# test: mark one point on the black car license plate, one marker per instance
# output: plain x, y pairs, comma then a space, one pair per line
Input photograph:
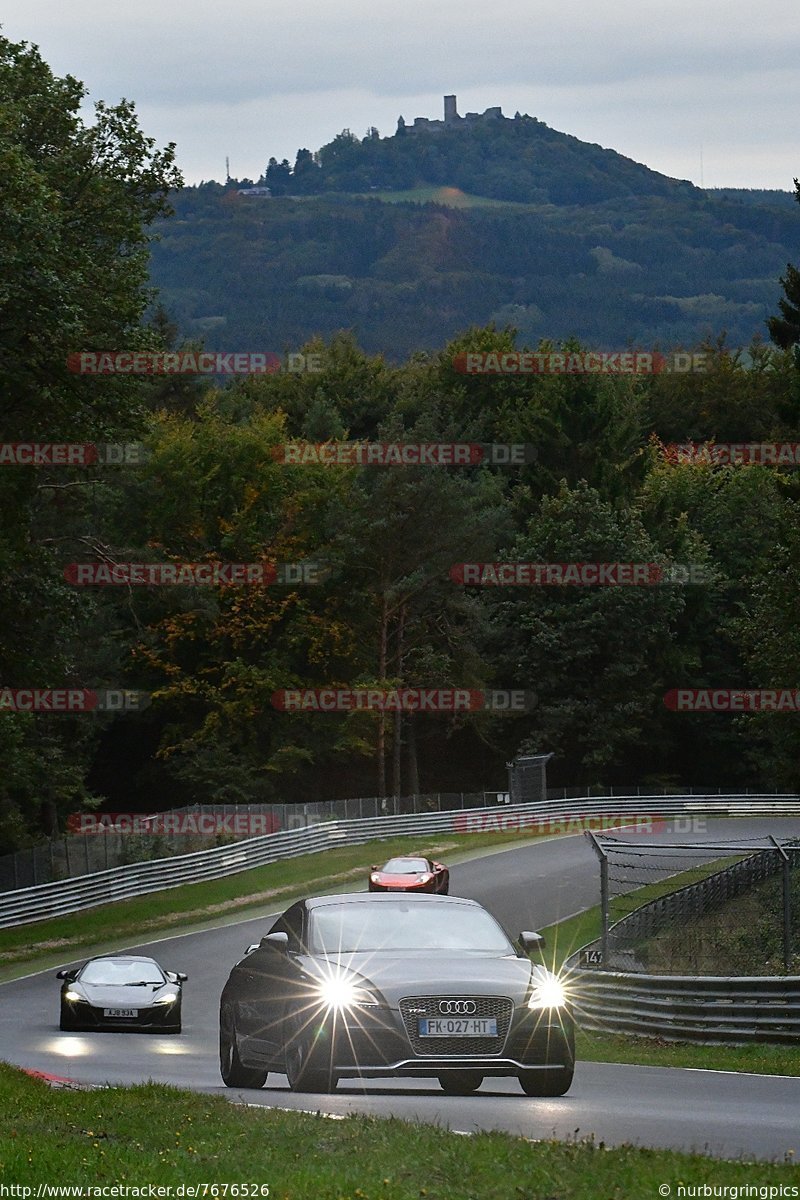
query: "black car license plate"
458, 1027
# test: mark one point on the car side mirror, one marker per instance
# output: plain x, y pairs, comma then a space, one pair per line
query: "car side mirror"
530, 941
374, 867
276, 941
176, 976
66, 974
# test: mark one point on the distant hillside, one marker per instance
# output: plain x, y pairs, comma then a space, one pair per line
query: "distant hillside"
409, 240
518, 159
753, 196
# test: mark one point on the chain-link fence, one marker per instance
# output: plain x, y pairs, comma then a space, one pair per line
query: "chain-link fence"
698, 908
114, 840
103, 840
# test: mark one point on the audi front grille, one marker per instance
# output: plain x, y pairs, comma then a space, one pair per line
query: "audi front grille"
412, 1008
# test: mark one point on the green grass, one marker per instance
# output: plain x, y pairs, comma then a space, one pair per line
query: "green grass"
761, 1059
452, 197
198, 905
744, 936
565, 937
158, 1135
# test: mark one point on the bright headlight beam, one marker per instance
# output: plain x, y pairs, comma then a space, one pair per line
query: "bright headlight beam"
337, 992
547, 993
71, 995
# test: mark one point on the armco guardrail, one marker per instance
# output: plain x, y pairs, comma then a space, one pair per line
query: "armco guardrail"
685, 1008
122, 883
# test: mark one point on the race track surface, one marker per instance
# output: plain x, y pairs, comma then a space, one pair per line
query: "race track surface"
757, 1117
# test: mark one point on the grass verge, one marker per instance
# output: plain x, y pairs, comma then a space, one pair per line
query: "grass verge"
157, 1135
565, 937
261, 889
761, 1059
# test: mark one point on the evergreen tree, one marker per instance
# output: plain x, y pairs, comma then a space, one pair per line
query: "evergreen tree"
785, 329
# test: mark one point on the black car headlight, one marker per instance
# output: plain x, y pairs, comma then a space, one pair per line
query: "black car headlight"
339, 992
167, 998
75, 997
547, 991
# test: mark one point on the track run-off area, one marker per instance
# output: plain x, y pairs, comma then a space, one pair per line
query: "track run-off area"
528, 887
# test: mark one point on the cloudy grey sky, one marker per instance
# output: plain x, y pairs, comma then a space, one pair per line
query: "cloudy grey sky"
671, 83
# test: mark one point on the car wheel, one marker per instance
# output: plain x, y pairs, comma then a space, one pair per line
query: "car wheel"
233, 1073
546, 1083
302, 1075
446, 886
460, 1083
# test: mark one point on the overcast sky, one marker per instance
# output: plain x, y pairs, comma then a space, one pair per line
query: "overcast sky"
681, 85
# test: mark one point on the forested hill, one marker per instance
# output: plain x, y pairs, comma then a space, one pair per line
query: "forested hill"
410, 239
521, 160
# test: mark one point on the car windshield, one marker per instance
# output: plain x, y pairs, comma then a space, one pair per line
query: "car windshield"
111, 971
347, 928
406, 866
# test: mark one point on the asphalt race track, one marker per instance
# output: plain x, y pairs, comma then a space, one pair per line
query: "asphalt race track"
754, 1116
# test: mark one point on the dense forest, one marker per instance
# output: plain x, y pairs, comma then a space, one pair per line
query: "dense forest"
386, 612
242, 272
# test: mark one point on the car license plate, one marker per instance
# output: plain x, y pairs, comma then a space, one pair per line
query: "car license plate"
458, 1027
120, 1012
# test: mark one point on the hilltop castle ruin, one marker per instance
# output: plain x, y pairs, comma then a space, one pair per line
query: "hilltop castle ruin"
451, 119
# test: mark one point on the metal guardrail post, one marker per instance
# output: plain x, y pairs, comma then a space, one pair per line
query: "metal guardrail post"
601, 854
787, 904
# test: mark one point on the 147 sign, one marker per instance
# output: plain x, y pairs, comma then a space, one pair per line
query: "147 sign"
591, 958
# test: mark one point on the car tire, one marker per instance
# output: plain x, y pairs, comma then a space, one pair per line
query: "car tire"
233, 1072
546, 1083
302, 1075
460, 1083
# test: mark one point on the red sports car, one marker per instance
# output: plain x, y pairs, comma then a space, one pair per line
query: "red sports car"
410, 874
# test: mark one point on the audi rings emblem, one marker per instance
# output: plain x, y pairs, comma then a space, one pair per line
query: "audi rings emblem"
457, 1008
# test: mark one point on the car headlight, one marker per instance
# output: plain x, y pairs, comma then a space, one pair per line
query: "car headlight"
547, 992
72, 995
167, 998
339, 992
425, 878
375, 878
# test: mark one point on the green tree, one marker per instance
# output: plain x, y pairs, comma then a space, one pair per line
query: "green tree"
785, 329
77, 203
599, 658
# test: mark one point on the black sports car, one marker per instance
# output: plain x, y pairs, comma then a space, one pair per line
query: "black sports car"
371, 985
121, 991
